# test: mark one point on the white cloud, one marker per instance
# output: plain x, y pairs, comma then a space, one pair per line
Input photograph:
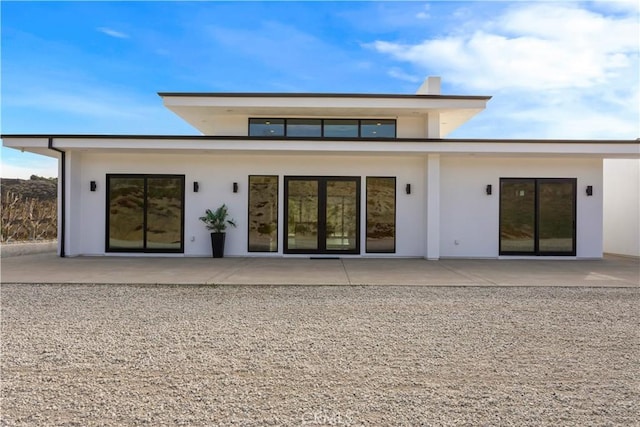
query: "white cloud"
113, 33
399, 74
565, 60
424, 13
548, 45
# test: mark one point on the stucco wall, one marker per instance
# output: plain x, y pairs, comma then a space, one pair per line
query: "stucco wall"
471, 218
466, 214
216, 174
622, 207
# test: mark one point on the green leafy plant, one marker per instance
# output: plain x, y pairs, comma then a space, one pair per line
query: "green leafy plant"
217, 220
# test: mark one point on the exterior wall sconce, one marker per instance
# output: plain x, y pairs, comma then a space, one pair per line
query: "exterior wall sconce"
407, 189
196, 186
489, 189
235, 187
589, 190
93, 186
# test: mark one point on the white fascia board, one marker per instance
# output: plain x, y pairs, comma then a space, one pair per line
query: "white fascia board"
28, 142
36, 145
323, 103
590, 149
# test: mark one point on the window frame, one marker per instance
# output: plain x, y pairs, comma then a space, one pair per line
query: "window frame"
277, 215
284, 127
536, 211
395, 215
144, 248
285, 134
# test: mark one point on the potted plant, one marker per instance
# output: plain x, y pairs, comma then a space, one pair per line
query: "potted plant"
217, 222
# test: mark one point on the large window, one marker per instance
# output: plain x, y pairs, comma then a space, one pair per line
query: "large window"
381, 214
537, 216
263, 213
323, 128
145, 213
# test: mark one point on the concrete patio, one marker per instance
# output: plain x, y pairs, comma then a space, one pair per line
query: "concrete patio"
612, 271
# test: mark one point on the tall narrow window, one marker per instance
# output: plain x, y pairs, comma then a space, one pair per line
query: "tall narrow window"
263, 213
145, 213
381, 214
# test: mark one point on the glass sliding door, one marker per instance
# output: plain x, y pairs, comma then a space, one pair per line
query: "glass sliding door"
537, 216
164, 213
556, 216
125, 216
263, 213
145, 213
302, 215
341, 221
322, 215
517, 216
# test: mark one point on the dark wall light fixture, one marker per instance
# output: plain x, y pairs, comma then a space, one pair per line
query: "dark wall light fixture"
196, 186
589, 190
489, 189
235, 187
93, 186
407, 189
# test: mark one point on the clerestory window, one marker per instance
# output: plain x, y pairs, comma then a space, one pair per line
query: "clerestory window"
322, 128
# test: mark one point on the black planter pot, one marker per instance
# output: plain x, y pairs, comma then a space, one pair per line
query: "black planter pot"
217, 244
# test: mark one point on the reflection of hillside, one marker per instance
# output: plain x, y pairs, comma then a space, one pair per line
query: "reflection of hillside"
381, 209
263, 213
163, 213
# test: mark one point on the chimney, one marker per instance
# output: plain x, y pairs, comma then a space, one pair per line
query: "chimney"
431, 86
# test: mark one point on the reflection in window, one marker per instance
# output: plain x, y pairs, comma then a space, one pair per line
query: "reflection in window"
381, 214
126, 213
164, 212
341, 128
311, 128
302, 214
266, 127
377, 128
263, 213
146, 213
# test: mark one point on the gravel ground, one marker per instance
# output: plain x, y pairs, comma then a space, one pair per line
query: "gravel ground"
84, 355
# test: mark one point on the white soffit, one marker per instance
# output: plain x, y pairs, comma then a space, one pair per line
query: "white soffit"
197, 110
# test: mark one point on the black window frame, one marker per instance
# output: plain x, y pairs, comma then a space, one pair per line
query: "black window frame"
284, 127
536, 234
322, 128
395, 215
321, 214
144, 249
277, 248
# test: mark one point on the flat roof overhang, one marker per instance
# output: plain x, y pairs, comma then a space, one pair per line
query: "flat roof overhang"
198, 108
629, 149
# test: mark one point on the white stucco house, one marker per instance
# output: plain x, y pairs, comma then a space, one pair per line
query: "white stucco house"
318, 174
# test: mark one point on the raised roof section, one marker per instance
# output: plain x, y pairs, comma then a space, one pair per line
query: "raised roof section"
220, 113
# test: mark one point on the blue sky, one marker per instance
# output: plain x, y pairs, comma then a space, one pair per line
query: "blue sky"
558, 69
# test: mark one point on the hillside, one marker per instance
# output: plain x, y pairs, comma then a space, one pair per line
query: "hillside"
38, 188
